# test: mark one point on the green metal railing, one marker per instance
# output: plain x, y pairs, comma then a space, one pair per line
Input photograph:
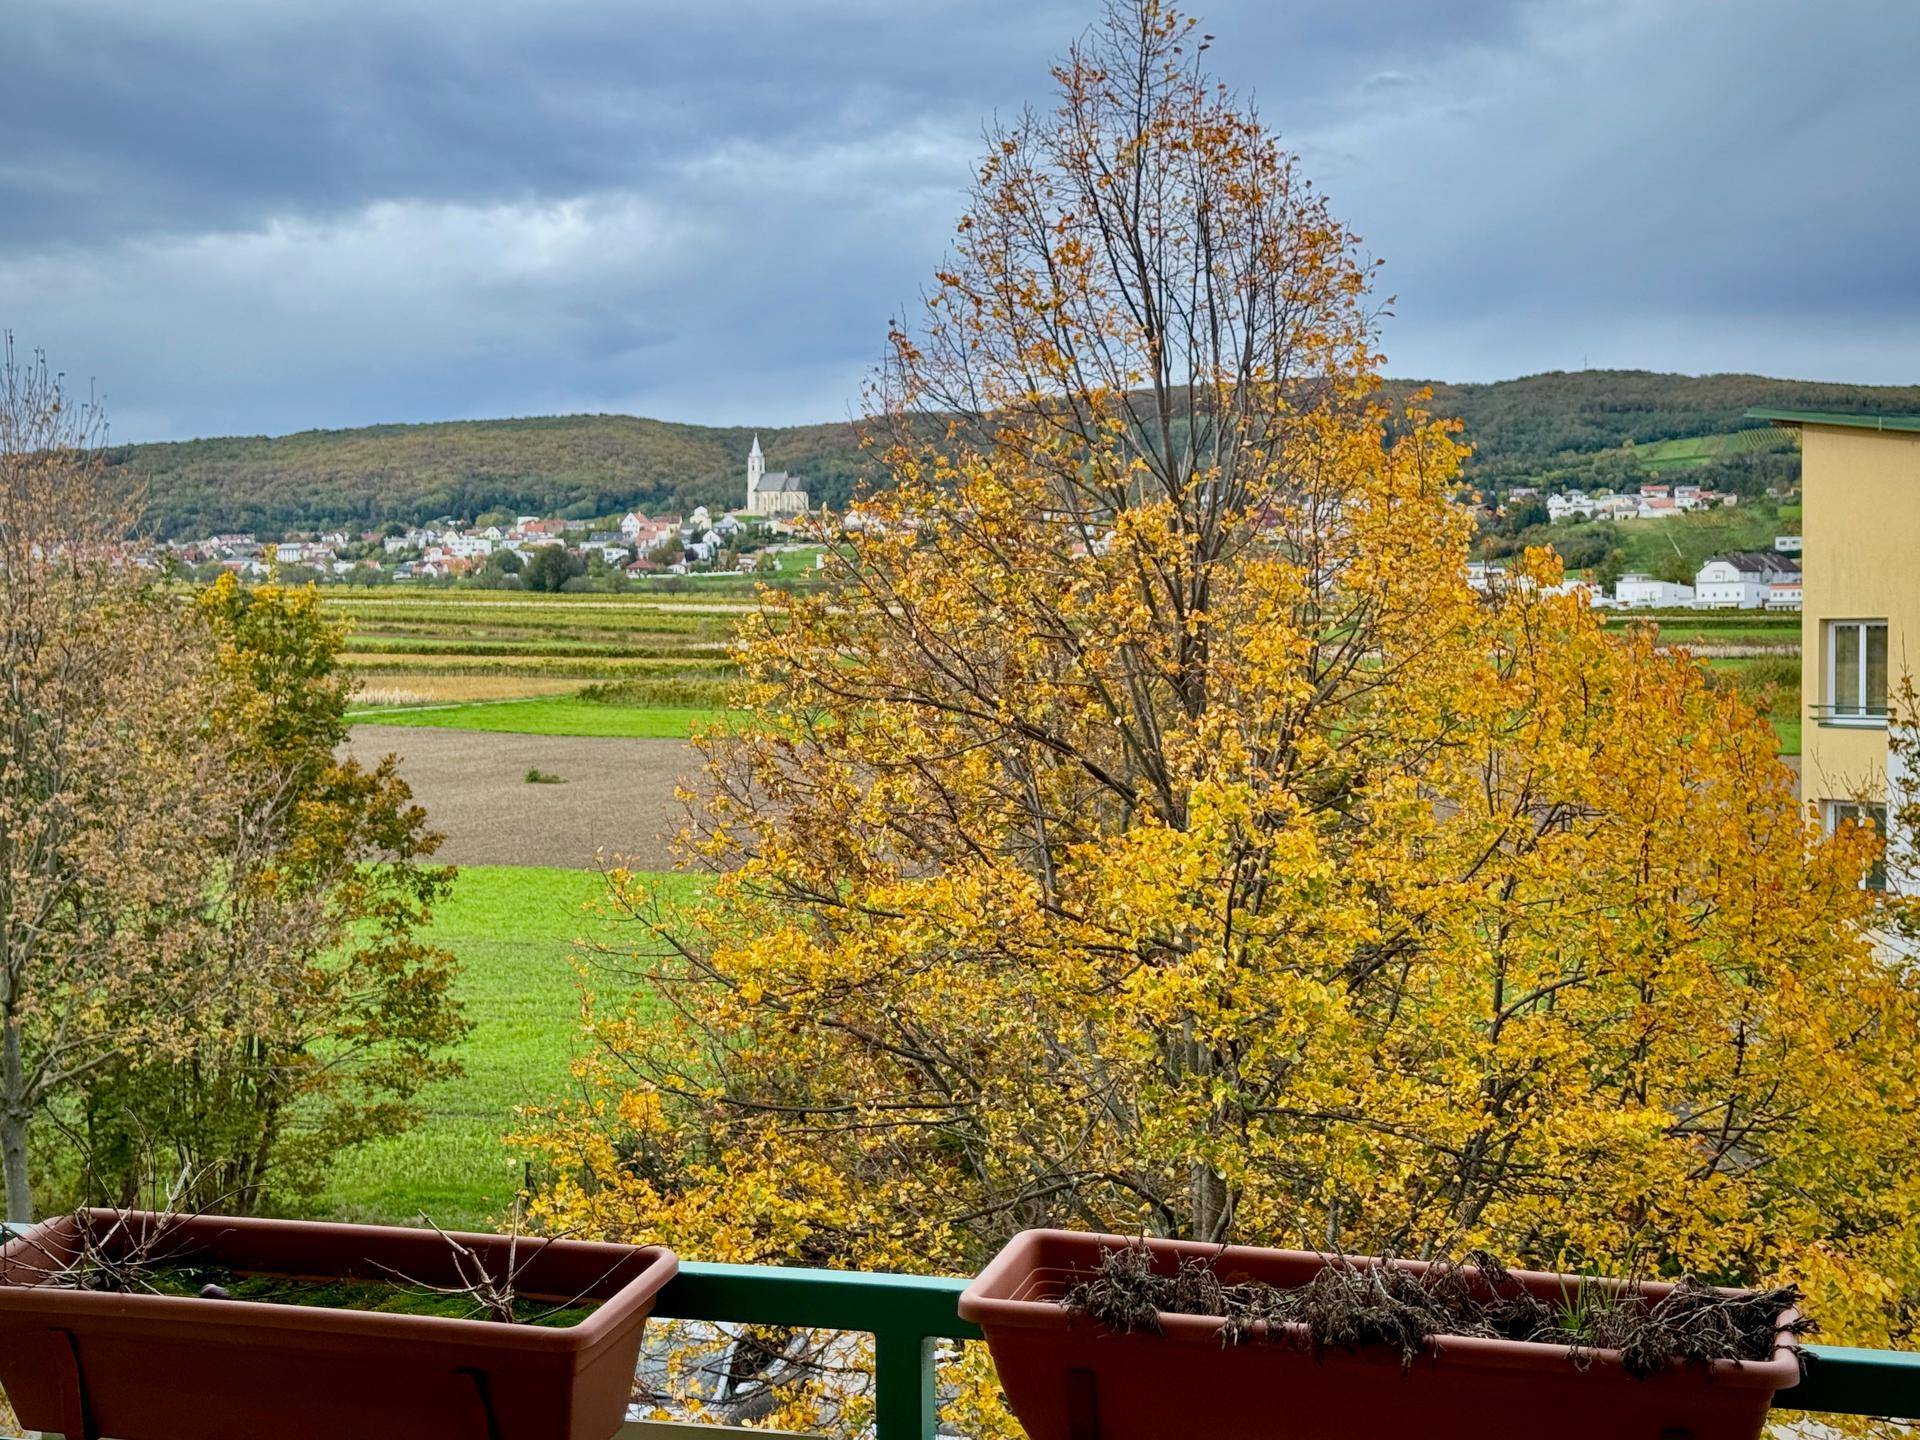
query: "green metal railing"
907, 1314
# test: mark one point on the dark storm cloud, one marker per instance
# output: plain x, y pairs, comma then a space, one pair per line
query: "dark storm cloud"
247, 216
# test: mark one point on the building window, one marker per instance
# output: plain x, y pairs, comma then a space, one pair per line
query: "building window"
1857, 670
1848, 812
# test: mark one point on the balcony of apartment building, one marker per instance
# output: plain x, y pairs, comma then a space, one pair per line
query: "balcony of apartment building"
910, 1320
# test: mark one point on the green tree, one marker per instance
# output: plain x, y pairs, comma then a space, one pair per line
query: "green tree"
342, 1014
550, 569
113, 795
1674, 567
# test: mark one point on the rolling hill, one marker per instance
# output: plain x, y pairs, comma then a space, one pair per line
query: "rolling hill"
1560, 428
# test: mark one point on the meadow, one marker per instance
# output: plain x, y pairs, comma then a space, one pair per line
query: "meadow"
1688, 540
546, 715
520, 933
1661, 456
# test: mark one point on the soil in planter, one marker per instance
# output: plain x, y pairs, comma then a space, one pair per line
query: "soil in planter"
386, 1297
1351, 1304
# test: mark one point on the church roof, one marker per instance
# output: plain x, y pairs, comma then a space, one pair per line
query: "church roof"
756, 446
781, 480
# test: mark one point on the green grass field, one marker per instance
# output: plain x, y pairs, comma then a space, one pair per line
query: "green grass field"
1661, 456
514, 931
547, 715
1696, 536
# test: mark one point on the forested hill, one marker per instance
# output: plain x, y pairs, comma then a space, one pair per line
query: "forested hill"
1558, 428
1525, 430
577, 466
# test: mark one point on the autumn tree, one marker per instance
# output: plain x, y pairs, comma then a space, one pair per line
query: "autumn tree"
340, 1012
209, 951
110, 782
1148, 829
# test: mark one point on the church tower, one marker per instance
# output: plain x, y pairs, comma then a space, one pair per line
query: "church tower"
756, 467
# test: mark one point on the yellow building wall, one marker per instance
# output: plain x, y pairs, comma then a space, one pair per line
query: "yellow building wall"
1861, 517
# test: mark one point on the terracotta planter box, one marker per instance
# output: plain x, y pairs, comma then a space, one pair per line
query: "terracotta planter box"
151, 1367
1069, 1379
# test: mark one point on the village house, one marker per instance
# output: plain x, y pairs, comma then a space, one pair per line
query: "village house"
1741, 580
1643, 592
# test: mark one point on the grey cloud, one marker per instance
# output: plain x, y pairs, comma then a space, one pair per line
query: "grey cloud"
248, 217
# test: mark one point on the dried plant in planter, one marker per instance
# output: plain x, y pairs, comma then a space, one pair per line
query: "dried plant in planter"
127, 1254
1350, 1305
494, 1292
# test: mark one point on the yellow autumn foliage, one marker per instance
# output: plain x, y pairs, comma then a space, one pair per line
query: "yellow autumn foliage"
1149, 829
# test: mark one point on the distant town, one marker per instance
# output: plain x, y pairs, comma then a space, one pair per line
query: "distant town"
1735, 580
769, 532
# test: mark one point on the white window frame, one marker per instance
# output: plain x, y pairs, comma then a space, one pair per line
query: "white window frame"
1830, 714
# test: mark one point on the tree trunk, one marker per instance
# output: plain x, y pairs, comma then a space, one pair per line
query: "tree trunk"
13, 1126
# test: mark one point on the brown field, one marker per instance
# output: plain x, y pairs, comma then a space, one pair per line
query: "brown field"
615, 807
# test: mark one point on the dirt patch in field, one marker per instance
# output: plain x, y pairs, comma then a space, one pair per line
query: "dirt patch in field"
616, 804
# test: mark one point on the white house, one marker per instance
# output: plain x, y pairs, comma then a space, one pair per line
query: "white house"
1567, 504
1785, 593
1643, 592
1742, 580
1788, 544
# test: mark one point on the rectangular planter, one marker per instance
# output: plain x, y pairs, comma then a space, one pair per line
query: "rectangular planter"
1067, 1378
152, 1367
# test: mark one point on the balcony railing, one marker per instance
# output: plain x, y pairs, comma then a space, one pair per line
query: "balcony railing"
907, 1314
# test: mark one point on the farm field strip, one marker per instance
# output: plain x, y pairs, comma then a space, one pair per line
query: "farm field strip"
509, 665
550, 715
381, 691
558, 649
545, 618
531, 665
470, 601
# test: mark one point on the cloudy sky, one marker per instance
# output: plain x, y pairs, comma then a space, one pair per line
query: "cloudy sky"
245, 216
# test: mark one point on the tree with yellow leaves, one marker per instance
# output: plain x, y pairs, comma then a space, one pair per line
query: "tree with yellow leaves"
1149, 829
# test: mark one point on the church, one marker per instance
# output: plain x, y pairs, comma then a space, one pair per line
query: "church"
777, 494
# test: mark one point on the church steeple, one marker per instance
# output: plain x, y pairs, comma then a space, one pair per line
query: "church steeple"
756, 467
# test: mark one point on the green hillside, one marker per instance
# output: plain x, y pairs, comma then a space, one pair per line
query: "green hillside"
1523, 427
572, 465
1556, 429
1663, 456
